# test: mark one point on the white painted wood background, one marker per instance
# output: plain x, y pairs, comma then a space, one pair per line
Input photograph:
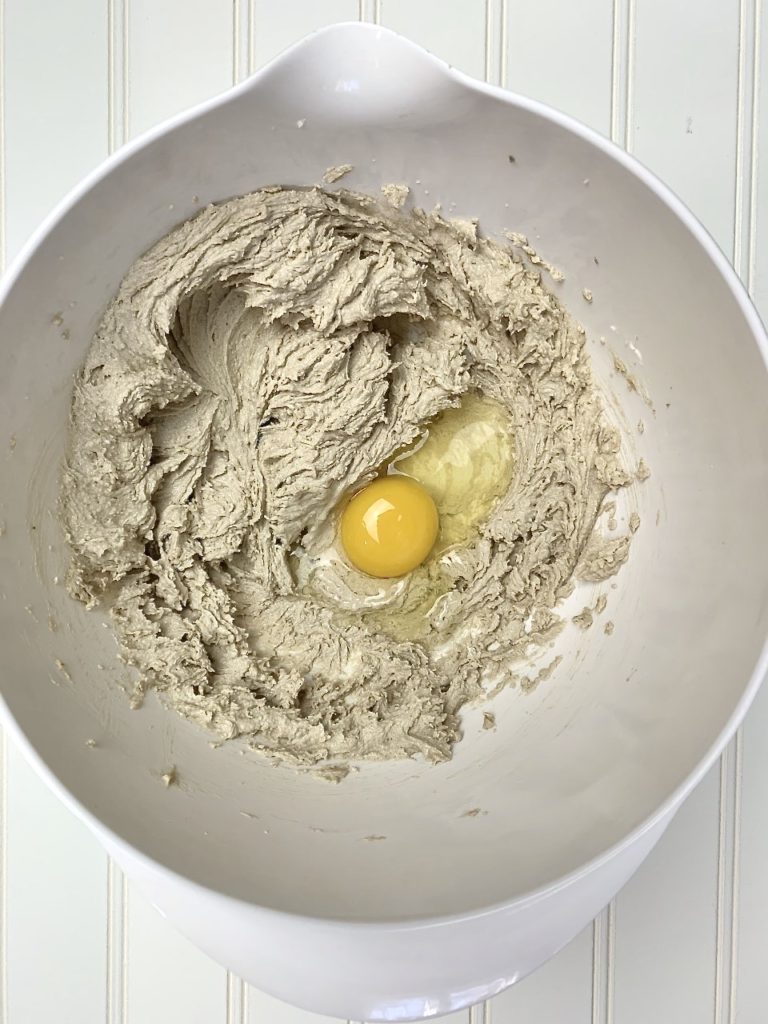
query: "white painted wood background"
677, 83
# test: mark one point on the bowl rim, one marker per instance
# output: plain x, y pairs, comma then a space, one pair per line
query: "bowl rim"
711, 248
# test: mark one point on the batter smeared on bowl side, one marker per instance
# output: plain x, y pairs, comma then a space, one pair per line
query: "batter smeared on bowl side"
259, 366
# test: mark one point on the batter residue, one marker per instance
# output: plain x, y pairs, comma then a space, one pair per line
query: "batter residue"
257, 366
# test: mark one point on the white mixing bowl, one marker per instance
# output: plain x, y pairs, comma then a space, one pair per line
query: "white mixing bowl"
273, 872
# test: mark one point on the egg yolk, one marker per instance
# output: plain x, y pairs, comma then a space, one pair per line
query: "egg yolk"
389, 527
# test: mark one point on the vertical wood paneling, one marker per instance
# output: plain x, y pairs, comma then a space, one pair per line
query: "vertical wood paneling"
54, 912
55, 68
178, 54
452, 29
759, 247
622, 70
561, 53
675, 919
728, 844
56, 907
603, 970
117, 945
665, 920
273, 33
684, 97
169, 981
560, 992
496, 41
751, 993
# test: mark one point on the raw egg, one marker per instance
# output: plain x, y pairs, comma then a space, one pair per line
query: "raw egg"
389, 527
465, 462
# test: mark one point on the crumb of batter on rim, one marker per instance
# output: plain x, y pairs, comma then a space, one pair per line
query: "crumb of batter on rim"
170, 777
489, 720
632, 382
63, 669
334, 173
521, 242
634, 523
332, 772
602, 558
584, 619
529, 685
608, 628
642, 472
395, 195
587, 294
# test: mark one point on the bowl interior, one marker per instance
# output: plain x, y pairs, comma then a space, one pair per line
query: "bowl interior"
573, 766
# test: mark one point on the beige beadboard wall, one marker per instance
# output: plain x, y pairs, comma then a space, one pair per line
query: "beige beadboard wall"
674, 81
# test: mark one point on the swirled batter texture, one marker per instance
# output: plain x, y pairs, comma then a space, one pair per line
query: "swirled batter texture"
257, 365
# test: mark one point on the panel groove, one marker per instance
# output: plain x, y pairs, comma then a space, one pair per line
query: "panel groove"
629, 75
496, 42
115, 92
488, 41
116, 946
726, 882
117, 73
735, 878
755, 135
622, 21
237, 1000
603, 946
729, 831
251, 61
242, 40
504, 19
746, 136
738, 178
